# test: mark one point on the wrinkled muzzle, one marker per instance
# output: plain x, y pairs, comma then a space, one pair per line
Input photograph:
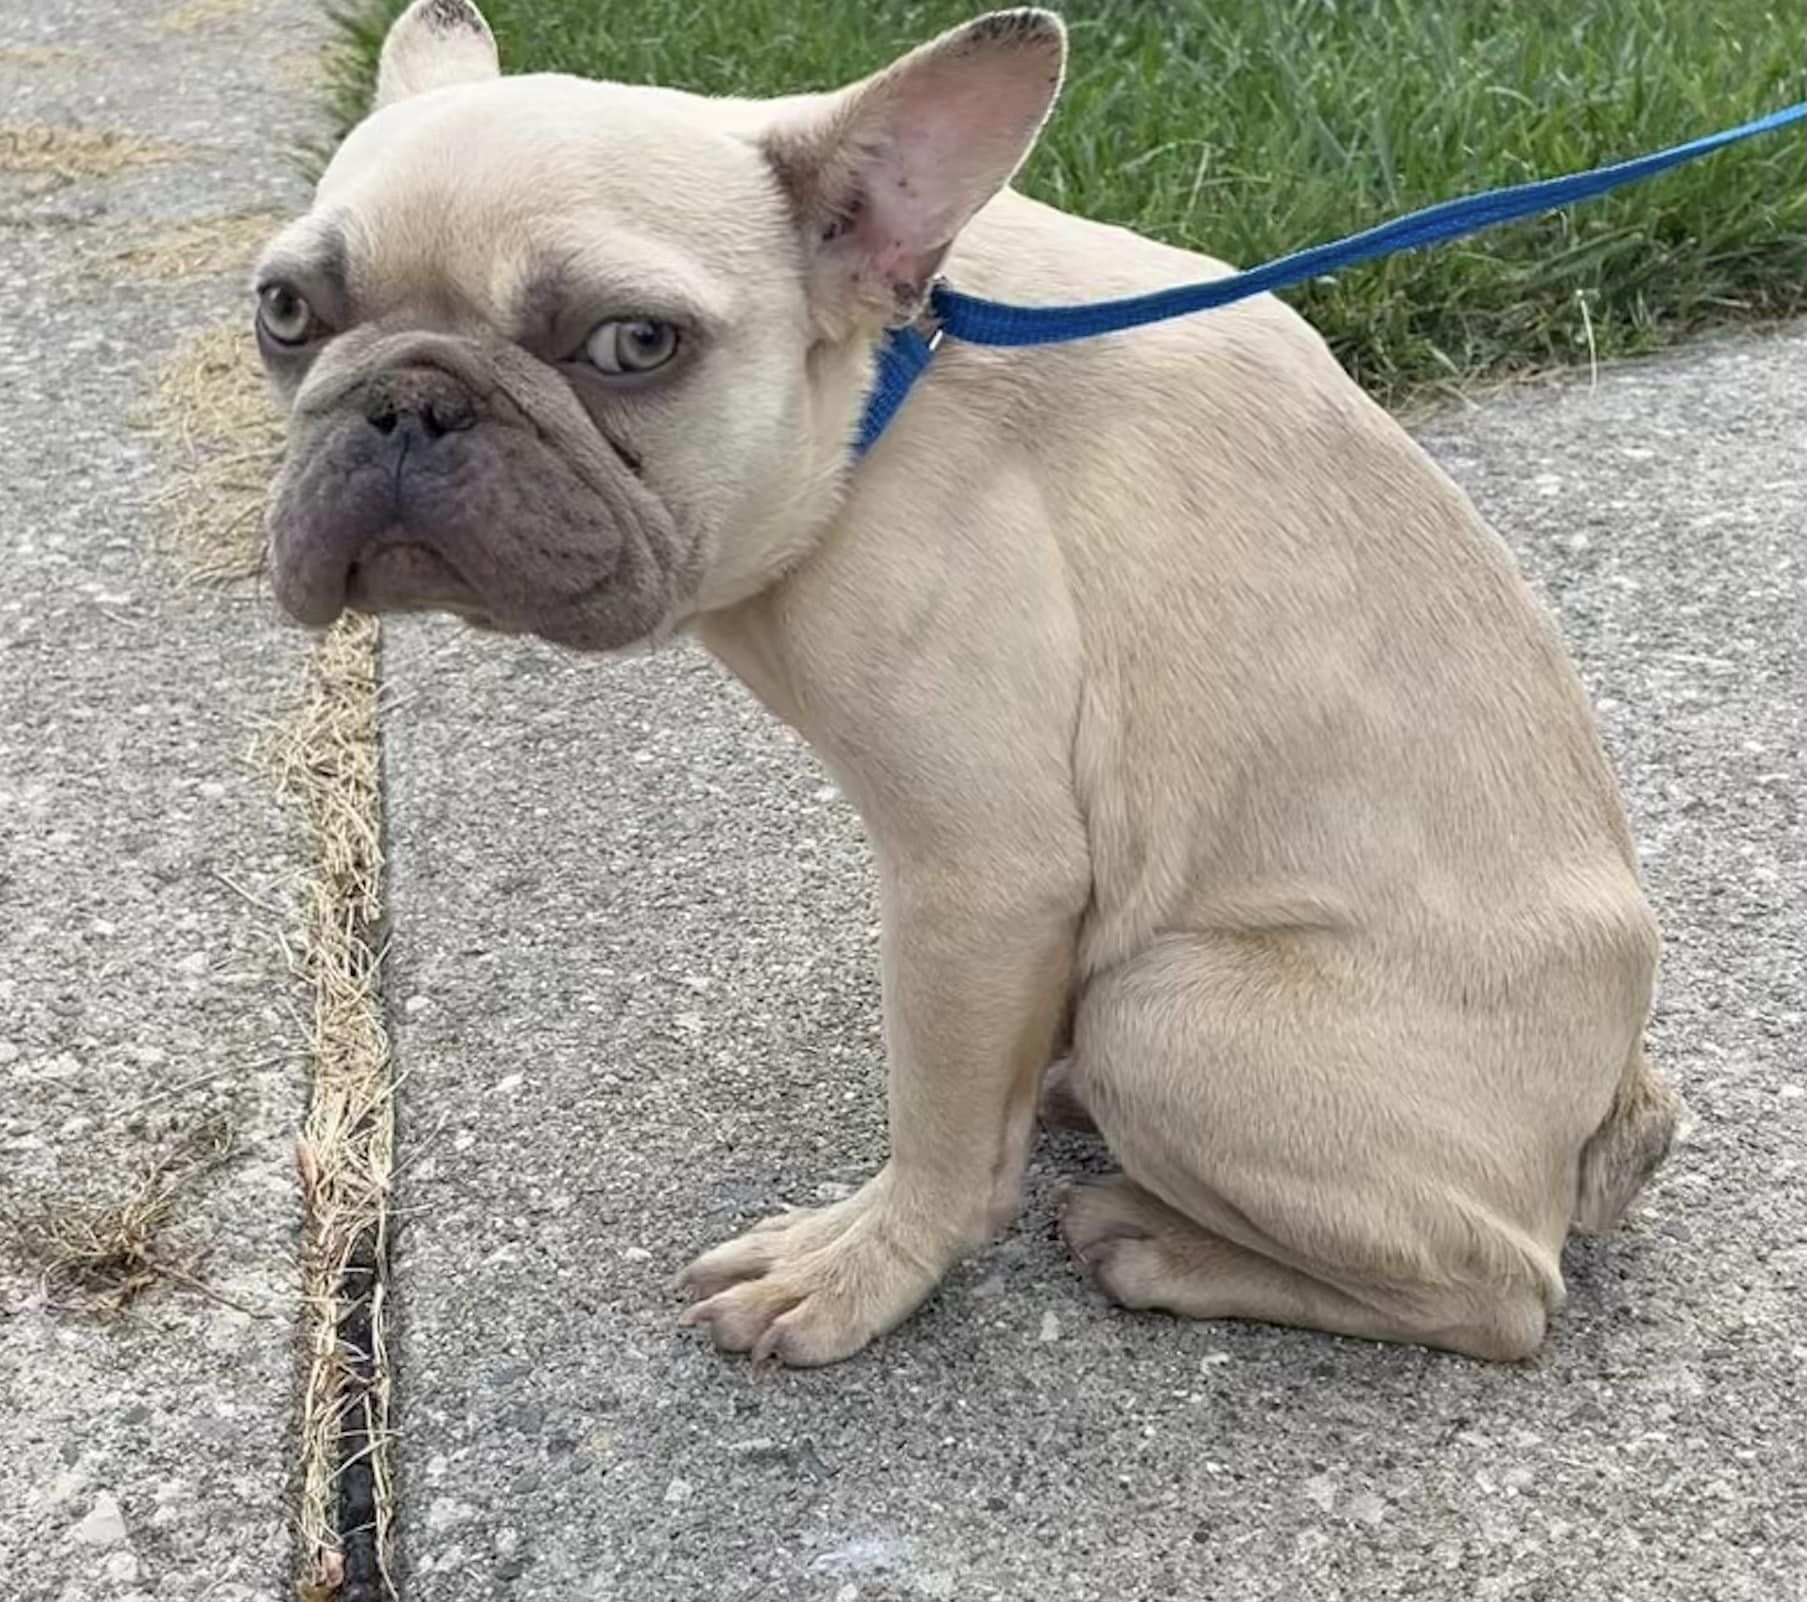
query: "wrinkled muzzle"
431, 473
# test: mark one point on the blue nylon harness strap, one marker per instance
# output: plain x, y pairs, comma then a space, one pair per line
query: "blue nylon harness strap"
904, 356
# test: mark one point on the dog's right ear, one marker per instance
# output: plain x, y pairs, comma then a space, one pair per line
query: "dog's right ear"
434, 44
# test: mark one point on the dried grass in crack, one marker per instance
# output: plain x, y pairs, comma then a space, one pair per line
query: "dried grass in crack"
200, 16
324, 757
193, 248
72, 152
212, 416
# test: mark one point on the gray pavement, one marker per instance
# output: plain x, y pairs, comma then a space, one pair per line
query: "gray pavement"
149, 1459
635, 1005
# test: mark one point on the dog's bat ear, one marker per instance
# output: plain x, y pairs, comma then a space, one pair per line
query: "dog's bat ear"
433, 44
883, 175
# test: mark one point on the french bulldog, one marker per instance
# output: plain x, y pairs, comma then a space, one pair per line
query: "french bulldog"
1230, 792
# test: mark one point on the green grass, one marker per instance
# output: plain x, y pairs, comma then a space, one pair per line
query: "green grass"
1247, 128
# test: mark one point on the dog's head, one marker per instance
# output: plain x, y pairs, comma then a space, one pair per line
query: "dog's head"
582, 359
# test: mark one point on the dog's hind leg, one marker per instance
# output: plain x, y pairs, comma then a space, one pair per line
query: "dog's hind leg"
1145, 1254
1311, 1147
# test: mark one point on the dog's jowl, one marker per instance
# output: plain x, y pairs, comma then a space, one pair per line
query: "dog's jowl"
1210, 745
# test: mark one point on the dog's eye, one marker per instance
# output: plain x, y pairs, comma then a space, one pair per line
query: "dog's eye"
283, 315
631, 347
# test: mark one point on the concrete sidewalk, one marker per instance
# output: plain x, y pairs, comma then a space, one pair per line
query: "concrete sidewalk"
633, 983
141, 990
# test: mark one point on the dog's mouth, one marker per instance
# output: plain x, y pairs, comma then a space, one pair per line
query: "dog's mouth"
407, 576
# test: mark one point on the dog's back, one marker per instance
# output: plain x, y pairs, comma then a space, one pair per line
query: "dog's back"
1352, 829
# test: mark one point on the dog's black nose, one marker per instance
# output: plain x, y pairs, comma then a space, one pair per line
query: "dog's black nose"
432, 396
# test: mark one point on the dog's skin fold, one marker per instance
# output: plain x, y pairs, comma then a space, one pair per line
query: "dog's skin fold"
1211, 747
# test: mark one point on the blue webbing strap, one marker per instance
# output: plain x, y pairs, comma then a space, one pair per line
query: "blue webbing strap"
904, 356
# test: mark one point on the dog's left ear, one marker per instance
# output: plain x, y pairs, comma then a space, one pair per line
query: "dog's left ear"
886, 173
432, 45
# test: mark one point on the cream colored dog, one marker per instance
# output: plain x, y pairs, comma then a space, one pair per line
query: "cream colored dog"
1207, 739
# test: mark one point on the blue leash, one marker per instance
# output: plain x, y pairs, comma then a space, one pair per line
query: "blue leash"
905, 354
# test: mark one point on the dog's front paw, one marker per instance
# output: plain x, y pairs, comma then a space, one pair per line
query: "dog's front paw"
814, 1286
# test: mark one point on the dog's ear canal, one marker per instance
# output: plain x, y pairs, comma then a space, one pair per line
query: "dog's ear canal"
432, 45
883, 175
